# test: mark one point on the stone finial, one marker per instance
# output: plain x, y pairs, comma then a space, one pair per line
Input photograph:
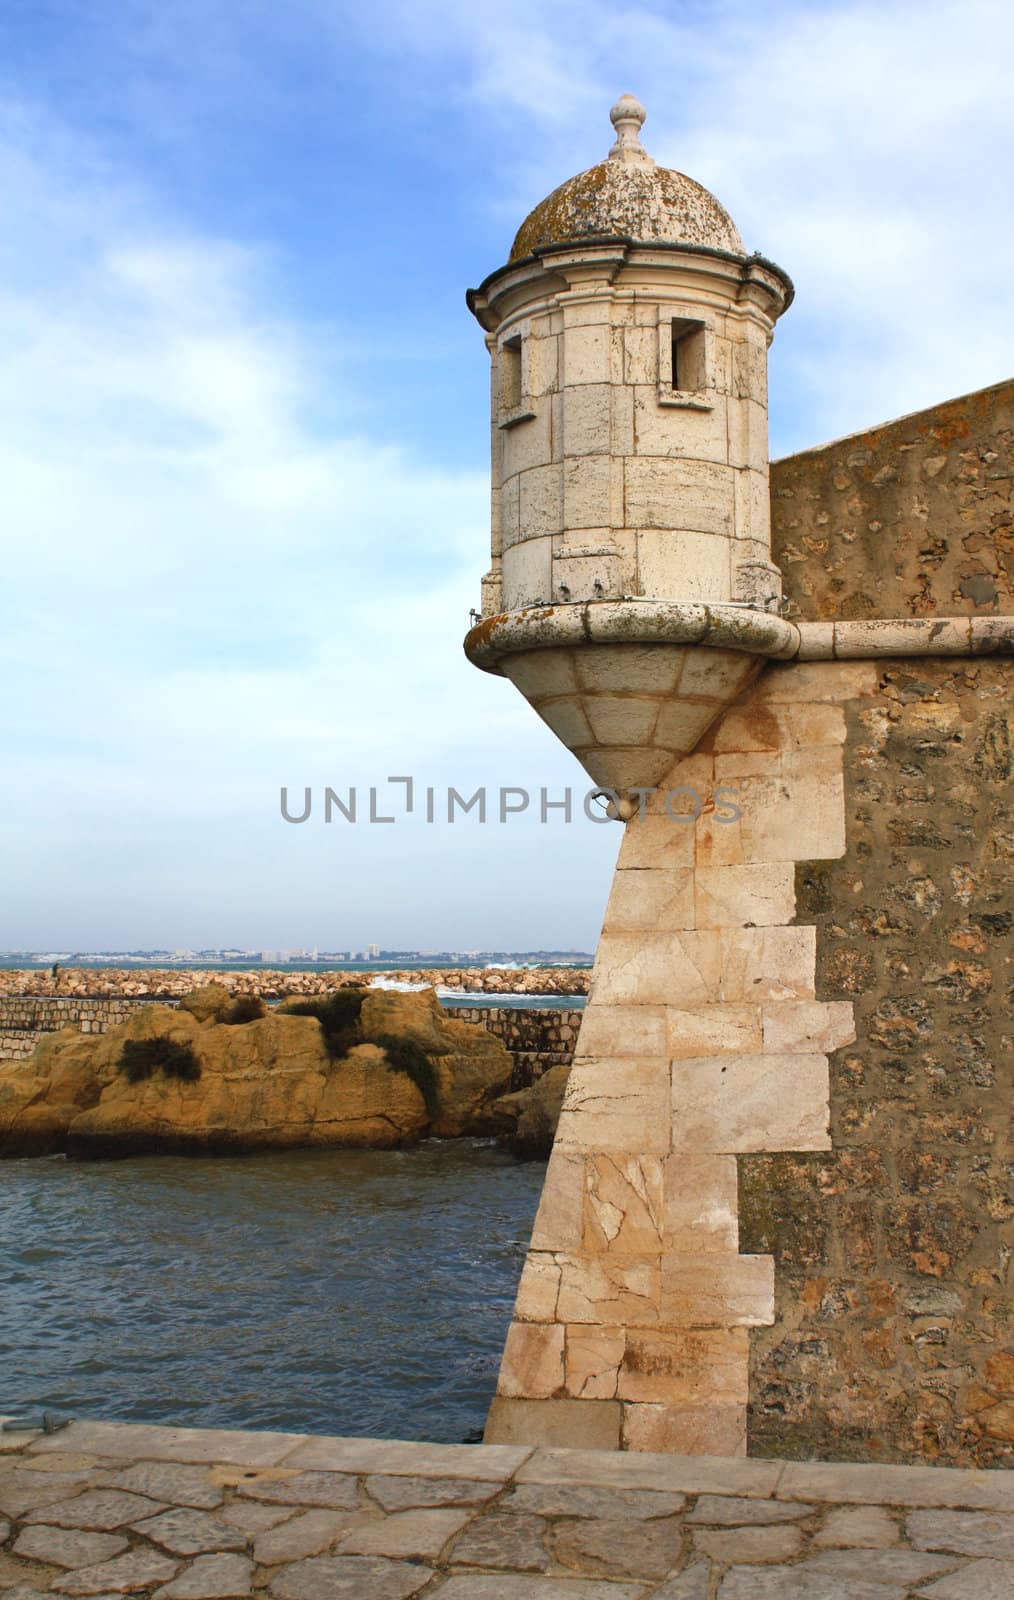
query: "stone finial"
627, 117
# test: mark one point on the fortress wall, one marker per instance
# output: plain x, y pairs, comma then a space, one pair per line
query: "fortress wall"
893, 1336
906, 520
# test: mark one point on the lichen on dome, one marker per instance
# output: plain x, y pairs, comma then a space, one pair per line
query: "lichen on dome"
628, 196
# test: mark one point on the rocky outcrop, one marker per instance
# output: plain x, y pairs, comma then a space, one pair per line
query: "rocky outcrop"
266, 1084
526, 1121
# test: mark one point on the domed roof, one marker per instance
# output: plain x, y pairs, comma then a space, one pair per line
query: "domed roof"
628, 196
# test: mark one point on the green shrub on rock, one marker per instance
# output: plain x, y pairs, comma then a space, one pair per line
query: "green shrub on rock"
142, 1058
245, 1008
338, 1015
403, 1055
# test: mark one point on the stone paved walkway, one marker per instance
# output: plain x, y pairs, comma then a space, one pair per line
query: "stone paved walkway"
108, 1509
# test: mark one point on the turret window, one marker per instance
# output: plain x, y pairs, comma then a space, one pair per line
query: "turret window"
515, 404
684, 362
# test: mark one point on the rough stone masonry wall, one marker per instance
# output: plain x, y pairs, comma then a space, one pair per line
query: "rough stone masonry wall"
906, 520
894, 1328
24, 1020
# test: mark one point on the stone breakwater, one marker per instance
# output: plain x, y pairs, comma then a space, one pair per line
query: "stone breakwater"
164, 983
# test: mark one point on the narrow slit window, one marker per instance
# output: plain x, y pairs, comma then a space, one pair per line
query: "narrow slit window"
510, 374
688, 356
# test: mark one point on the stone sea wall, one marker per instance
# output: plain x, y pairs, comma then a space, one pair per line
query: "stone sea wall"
894, 1303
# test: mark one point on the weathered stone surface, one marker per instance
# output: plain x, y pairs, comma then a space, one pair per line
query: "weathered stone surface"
400, 1494
357, 1577
979, 1580
211, 1577
254, 1517
303, 1535
162, 1480
67, 1547
730, 1545
413, 1534
903, 1567
513, 1540
138, 1569
618, 1547
585, 1500
969, 1533
502, 1587
28, 1491
186, 1532
336, 1489
792, 1583
721, 1510
692, 1584
97, 1508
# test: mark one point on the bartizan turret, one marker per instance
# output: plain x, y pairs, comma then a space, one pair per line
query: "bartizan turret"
631, 595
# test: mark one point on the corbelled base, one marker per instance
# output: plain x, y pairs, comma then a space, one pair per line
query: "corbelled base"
630, 686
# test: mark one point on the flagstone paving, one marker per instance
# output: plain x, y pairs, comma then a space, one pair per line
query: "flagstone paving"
107, 1510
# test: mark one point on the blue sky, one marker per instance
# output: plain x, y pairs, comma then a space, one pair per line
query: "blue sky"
243, 411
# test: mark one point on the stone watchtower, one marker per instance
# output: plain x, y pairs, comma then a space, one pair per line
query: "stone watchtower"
628, 334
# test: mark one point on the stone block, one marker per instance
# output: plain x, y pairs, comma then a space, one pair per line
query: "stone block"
579, 1425
731, 1511
587, 492
618, 1547
629, 668
765, 726
757, 894
754, 1545
527, 445
858, 1527
757, 964
587, 354
624, 1205
834, 681
705, 1366
559, 1221
622, 720
408, 1535
679, 969
640, 357
541, 490
586, 420
592, 1361
666, 432
355, 1577
874, 1483
566, 717
797, 814
751, 1103
671, 492
608, 1030
683, 564
527, 573
752, 506
717, 1291
682, 724
792, 1026
657, 841
701, 1198
748, 434
715, 674
687, 1430
662, 901
615, 1104
979, 1580
532, 1365
608, 1290
967, 1533
539, 1288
